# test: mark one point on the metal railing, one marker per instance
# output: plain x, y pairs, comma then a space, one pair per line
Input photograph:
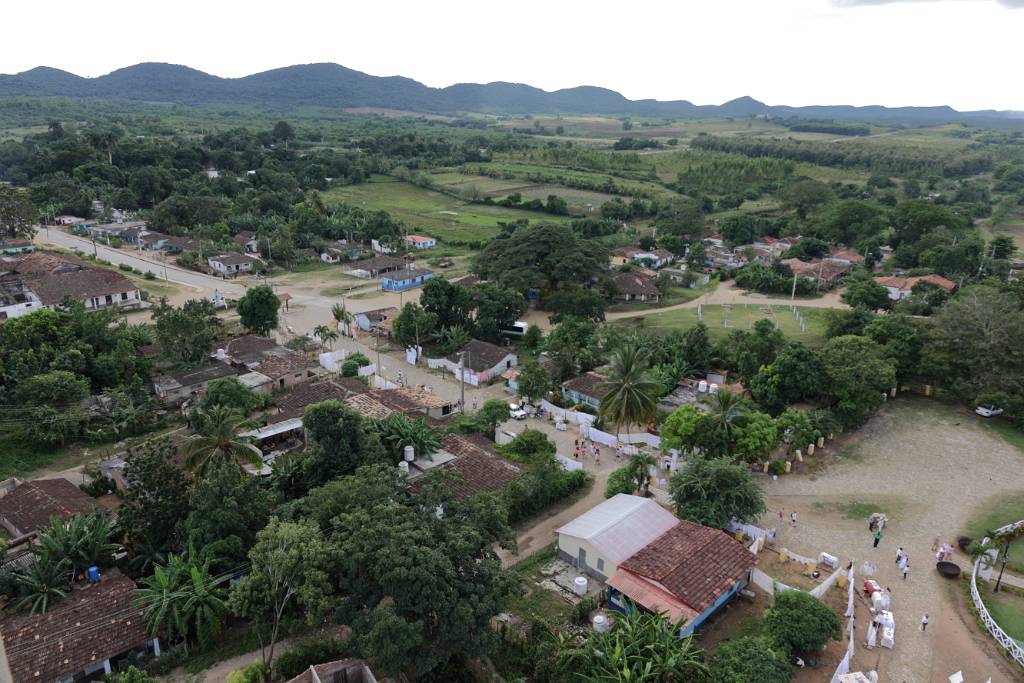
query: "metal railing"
1008, 643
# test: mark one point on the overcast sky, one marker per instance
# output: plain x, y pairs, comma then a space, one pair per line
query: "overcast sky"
964, 53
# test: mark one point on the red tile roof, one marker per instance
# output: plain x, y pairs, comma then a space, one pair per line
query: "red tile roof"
31, 504
588, 384
92, 623
636, 284
694, 563
293, 404
480, 466
283, 365
481, 355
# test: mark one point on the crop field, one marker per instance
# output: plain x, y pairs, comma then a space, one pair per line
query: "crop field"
442, 216
723, 319
540, 174
611, 128
456, 181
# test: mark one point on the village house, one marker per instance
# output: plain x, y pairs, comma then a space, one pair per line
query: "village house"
381, 247
480, 468
341, 671
604, 537
231, 264
108, 231
182, 385
718, 256
478, 362
656, 258
29, 505
420, 242
901, 287
401, 280
153, 241
623, 255
585, 389
511, 376
375, 267
377, 319
90, 632
846, 257
826, 273
46, 279
688, 572
65, 219
252, 353
10, 247
16, 299
635, 287
247, 241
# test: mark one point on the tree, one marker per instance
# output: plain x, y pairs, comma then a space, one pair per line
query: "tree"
131, 675
541, 257
863, 291
533, 337
81, 542
533, 381
283, 131
343, 317
683, 217
38, 584
714, 492
1003, 247
575, 346
639, 647
899, 335
758, 436
529, 446
449, 301
857, 374
796, 428
576, 301
421, 588
226, 509
631, 392
795, 375
800, 623
639, 469
18, 214
728, 415
156, 501
839, 322
258, 309
340, 441
326, 335
852, 221
186, 334
750, 659
287, 573
497, 309
413, 325
230, 393
493, 412
679, 429
804, 195
218, 441
398, 431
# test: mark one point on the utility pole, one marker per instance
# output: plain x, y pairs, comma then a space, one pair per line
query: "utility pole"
462, 381
792, 294
379, 373
1006, 556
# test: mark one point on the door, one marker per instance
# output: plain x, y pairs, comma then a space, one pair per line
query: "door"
582, 559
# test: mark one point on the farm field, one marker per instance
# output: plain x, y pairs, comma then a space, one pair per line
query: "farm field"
435, 213
723, 319
528, 173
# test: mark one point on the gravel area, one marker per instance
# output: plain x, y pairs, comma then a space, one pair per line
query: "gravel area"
928, 466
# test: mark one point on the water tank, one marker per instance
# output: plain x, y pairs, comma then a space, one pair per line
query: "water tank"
712, 388
94, 574
702, 386
410, 453
579, 585
403, 467
222, 354
601, 623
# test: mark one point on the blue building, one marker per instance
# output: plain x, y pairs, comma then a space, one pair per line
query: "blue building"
585, 389
688, 572
401, 280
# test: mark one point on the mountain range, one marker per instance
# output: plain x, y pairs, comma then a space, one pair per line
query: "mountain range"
332, 85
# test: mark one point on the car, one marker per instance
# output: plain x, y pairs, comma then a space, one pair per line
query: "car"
988, 411
517, 412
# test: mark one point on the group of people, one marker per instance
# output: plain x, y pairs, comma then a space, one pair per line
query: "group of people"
584, 448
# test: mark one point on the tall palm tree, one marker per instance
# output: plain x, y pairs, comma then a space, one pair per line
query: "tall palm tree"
632, 392
329, 336
341, 317
640, 468
728, 414
218, 440
325, 334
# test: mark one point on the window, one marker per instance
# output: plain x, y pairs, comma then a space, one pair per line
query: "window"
600, 564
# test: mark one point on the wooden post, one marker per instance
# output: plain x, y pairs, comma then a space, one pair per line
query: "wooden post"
810, 449
821, 442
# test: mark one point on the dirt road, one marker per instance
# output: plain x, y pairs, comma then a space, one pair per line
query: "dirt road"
930, 467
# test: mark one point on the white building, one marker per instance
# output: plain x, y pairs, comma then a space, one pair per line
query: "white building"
605, 536
420, 242
231, 264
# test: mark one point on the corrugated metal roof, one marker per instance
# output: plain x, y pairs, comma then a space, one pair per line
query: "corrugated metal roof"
621, 525
650, 596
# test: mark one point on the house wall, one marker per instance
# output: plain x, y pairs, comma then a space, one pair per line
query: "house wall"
578, 397
126, 300
722, 599
288, 380
569, 550
15, 310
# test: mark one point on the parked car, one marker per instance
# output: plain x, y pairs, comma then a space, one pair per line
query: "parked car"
988, 411
517, 411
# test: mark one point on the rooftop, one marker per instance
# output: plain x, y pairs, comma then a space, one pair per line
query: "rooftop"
185, 378
621, 525
89, 625
280, 365
81, 284
293, 404
480, 467
481, 355
636, 284
233, 259
32, 503
408, 274
588, 384
418, 238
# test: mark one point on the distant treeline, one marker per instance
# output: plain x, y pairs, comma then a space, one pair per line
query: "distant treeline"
831, 128
902, 161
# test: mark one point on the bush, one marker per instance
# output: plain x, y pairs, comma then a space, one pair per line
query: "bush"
125, 267
100, 486
619, 481
359, 359
776, 467
529, 446
308, 653
798, 622
580, 613
349, 368
749, 659
540, 486
249, 674
149, 275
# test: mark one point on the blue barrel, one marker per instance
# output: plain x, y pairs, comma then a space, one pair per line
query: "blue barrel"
94, 574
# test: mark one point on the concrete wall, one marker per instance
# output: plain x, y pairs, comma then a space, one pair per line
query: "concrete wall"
569, 550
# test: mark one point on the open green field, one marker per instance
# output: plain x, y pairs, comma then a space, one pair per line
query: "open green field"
721, 320
536, 173
1007, 608
457, 181
435, 213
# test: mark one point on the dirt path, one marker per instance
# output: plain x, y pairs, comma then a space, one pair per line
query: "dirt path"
728, 293
929, 466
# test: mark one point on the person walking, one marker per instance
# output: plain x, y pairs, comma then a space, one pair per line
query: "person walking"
899, 554
792, 519
878, 537
906, 567
924, 622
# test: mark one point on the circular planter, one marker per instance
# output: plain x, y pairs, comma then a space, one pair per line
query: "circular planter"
948, 569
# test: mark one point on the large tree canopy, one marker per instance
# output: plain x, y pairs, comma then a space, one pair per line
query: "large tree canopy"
714, 492
541, 257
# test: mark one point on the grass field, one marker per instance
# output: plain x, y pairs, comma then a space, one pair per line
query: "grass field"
1007, 609
442, 216
998, 512
721, 321
528, 173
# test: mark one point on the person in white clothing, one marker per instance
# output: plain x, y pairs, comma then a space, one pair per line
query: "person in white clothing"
924, 622
872, 636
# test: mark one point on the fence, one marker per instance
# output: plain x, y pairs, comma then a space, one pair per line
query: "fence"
569, 415
1008, 643
767, 583
607, 439
844, 664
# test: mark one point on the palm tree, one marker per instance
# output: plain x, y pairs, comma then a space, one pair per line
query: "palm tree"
324, 334
728, 414
163, 601
329, 336
341, 317
207, 602
40, 583
218, 440
640, 468
631, 391
397, 431
83, 541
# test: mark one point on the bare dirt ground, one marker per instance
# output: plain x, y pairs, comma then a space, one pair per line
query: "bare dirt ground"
929, 466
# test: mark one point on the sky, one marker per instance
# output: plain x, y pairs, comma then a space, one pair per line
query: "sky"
962, 53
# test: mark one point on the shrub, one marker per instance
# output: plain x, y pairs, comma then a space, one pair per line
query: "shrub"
749, 659
540, 486
349, 368
100, 486
799, 622
620, 481
580, 613
149, 275
776, 467
249, 674
125, 267
308, 653
359, 359
529, 446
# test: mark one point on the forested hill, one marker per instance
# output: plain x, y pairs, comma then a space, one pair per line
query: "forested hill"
332, 85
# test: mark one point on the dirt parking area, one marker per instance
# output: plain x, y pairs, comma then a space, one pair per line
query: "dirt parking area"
929, 466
